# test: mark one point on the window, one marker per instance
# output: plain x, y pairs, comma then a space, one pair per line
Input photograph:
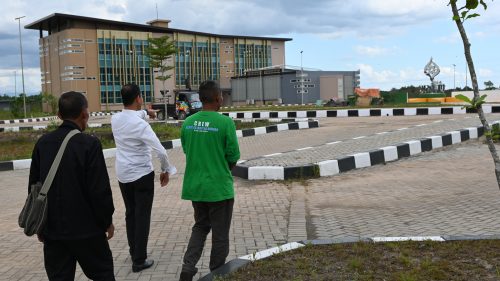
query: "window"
73, 67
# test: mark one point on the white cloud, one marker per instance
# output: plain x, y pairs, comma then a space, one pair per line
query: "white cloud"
31, 81
484, 72
375, 51
327, 19
449, 39
373, 76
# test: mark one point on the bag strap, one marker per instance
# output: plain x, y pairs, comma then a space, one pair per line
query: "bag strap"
55, 165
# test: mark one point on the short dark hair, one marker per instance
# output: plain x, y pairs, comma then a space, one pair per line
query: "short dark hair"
209, 90
71, 105
129, 92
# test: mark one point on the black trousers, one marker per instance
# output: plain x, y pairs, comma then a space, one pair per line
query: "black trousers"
138, 197
215, 216
93, 255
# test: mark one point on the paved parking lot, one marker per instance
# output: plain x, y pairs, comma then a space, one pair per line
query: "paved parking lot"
450, 191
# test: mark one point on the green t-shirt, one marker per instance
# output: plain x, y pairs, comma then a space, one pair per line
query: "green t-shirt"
210, 144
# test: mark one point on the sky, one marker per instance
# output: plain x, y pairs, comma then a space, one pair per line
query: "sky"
389, 41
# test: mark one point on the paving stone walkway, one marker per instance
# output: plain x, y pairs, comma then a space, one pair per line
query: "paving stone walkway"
451, 191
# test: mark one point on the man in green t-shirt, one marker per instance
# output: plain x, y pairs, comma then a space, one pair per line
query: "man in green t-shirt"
211, 147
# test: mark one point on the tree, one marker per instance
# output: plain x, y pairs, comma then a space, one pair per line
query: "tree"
488, 85
51, 101
159, 51
460, 15
16, 106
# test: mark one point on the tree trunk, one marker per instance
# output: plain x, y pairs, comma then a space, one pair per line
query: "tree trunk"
164, 99
475, 88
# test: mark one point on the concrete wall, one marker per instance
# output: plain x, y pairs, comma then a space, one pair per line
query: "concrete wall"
329, 86
57, 56
320, 85
278, 52
290, 87
493, 95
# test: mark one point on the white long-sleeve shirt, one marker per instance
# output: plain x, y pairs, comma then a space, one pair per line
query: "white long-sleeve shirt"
134, 139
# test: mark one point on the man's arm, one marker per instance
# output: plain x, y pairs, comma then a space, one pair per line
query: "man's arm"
150, 138
99, 189
144, 113
232, 148
34, 168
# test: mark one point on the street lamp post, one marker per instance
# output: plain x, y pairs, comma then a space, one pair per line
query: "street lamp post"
454, 86
466, 74
301, 78
22, 64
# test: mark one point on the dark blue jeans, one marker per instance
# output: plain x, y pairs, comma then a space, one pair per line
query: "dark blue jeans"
214, 216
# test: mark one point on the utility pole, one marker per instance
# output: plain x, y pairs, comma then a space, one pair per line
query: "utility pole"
22, 63
15, 83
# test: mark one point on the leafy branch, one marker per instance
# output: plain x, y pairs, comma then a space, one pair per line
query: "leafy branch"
465, 10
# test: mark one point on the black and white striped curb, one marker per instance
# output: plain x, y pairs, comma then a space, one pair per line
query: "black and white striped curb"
358, 160
41, 127
95, 114
28, 120
258, 131
249, 120
412, 111
170, 144
338, 141
235, 264
268, 105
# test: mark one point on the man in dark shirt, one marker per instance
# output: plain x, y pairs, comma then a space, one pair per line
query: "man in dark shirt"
80, 203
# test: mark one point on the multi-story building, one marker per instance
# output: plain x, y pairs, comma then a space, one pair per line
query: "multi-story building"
98, 56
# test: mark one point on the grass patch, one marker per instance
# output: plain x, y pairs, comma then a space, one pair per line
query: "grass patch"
7, 115
19, 145
401, 261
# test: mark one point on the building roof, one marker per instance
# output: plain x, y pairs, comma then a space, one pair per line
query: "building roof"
46, 22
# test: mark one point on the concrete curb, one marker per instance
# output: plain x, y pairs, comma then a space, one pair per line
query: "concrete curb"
41, 127
50, 118
170, 144
409, 111
95, 114
28, 120
240, 262
358, 160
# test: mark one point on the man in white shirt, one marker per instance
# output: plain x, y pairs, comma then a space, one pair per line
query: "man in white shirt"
134, 139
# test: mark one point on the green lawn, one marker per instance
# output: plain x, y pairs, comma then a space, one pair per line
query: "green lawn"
401, 261
19, 145
7, 115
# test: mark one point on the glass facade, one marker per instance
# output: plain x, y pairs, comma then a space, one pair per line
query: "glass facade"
248, 57
122, 61
196, 61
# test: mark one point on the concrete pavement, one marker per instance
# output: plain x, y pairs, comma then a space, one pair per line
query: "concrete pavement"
452, 191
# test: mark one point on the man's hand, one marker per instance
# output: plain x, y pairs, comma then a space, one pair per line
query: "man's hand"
152, 113
164, 179
110, 231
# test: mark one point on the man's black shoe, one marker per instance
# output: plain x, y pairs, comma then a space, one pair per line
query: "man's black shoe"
139, 267
186, 276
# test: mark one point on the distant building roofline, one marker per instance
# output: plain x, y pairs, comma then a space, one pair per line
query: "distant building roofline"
44, 24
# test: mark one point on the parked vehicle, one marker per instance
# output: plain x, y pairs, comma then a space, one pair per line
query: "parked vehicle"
186, 103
